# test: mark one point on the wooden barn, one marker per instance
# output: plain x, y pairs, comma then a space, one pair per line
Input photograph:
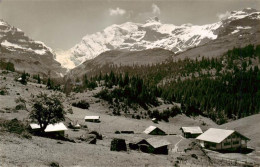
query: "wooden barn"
222, 139
153, 130
154, 145
191, 132
92, 119
55, 130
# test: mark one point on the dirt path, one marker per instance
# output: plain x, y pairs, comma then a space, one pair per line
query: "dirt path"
175, 149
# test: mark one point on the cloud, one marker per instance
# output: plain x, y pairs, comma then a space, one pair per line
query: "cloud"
222, 16
156, 9
116, 12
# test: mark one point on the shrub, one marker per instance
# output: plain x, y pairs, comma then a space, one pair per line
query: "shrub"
117, 132
98, 135
118, 145
15, 126
54, 164
81, 104
105, 95
7, 66
20, 107
24, 78
2, 92
138, 117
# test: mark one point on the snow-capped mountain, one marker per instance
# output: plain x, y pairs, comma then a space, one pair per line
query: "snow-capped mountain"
154, 34
27, 55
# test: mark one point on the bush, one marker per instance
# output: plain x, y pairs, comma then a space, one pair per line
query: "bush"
105, 95
3, 91
54, 164
7, 66
98, 135
138, 117
117, 132
24, 78
81, 104
118, 145
15, 126
20, 107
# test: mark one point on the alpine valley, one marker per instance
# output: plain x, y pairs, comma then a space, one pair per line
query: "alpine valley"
94, 104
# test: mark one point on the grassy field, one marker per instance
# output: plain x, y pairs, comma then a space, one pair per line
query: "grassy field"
40, 151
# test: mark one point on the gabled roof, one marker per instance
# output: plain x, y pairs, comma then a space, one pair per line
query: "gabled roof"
92, 117
216, 135
156, 142
51, 127
150, 129
192, 130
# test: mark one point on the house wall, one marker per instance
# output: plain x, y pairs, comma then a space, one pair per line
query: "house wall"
189, 135
234, 141
161, 150
146, 147
157, 132
92, 120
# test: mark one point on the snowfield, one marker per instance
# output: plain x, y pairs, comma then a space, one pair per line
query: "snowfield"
152, 34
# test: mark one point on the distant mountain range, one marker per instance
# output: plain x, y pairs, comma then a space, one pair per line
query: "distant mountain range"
131, 44
27, 55
238, 30
154, 34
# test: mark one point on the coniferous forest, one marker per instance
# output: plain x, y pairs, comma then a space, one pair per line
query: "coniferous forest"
223, 88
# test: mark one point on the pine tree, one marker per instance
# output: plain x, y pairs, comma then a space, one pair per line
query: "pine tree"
23, 78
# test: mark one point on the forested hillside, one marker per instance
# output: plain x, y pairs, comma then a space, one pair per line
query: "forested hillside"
221, 88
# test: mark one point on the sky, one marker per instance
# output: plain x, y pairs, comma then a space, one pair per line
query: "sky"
61, 24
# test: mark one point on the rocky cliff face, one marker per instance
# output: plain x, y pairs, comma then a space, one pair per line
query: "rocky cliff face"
27, 55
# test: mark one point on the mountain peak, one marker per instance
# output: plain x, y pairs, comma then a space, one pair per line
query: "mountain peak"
249, 10
152, 20
27, 54
154, 34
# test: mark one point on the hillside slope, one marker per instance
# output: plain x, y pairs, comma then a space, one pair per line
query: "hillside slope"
249, 126
122, 58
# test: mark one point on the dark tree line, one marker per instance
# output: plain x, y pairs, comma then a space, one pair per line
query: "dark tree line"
7, 66
129, 90
231, 94
227, 87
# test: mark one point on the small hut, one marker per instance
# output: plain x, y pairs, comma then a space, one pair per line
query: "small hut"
191, 132
154, 145
153, 130
155, 120
92, 119
57, 129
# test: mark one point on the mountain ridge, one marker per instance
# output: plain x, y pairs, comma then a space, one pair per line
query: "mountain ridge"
154, 34
26, 54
